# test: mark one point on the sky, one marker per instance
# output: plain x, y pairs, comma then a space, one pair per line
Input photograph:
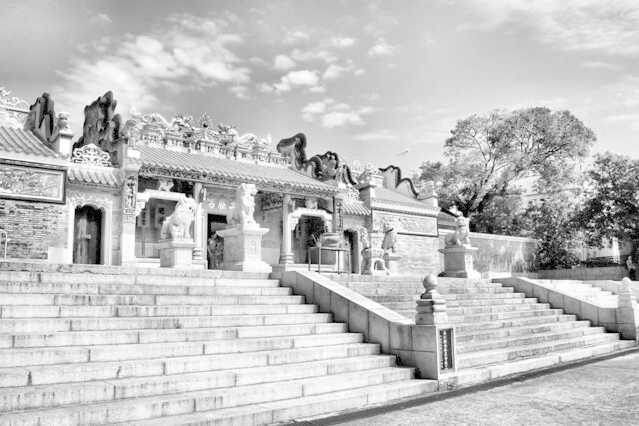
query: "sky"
376, 81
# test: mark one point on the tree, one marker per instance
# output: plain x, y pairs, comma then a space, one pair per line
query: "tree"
487, 155
611, 208
552, 224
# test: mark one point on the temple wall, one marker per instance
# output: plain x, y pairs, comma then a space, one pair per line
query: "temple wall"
417, 241
33, 228
499, 253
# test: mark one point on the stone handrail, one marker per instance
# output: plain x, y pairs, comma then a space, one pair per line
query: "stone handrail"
420, 346
616, 313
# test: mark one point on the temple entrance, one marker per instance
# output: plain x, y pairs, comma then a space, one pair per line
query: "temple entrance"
215, 243
305, 235
87, 236
352, 243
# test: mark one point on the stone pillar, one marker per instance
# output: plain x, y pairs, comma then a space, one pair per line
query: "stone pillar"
338, 222
431, 306
627, 311
130, 208
286, 254
433, 335
198, 228
64, 144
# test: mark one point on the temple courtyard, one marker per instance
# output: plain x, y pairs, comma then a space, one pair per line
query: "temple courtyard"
603, 392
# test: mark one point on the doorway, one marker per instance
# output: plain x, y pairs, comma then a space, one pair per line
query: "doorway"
215, 243
352, 244
87, 236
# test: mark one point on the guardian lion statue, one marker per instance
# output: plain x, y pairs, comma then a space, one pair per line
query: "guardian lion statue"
461, 236
178, 225
244, 206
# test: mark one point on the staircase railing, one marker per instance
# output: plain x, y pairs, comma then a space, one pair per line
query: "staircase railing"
5, 235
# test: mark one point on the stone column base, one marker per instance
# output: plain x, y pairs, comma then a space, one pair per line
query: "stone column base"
176, 253
243, 249
458, 262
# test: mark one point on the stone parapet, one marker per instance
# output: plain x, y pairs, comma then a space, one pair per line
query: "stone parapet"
429, 348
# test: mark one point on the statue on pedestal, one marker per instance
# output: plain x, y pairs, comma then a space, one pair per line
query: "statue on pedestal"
178, 225
242, 214
461, 236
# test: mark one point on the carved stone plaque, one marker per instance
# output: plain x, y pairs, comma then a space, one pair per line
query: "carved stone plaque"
32, 183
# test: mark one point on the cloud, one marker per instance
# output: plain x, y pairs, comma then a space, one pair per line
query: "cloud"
297, 79
343, 42
379, 135
335, 71
296, 36
599, 65
332, 114
283, 63
188, 51
240, 92
611, 28
381, 48
314, 54
101, 19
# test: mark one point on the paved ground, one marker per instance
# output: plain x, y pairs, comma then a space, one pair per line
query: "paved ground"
600, 393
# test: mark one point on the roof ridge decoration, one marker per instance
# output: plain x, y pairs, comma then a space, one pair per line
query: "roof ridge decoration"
42, 120
91, 155
325, 167
184, 134
102, 127
399, 183
13, 110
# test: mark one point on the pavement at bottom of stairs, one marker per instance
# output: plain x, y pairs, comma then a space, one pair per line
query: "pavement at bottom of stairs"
603, 392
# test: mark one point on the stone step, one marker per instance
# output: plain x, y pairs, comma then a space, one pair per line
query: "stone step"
111, 337
46, 396
299, 409
27, 325
278, 351
519, 307
143, 408
472, 359
187, 288
148, 277
470, 327
532, 339
64, 311
496, 301
479, 336
482, 296
503, 315
470, 376
16, 357
144, 299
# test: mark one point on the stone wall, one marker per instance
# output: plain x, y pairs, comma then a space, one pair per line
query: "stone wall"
499, 253
33, 228
615, 273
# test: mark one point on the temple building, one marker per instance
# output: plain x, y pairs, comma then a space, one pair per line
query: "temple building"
114, 194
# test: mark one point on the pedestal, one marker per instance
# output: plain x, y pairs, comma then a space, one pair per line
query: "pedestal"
391, 260
458, 262
176, 253
243, 249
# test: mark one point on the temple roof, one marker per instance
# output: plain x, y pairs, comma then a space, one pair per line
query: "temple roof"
19, 141
355, 208
95, 175
205, 167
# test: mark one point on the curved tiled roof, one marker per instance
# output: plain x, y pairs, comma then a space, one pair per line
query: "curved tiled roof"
93, 175
230, 169
355, 208
21, 141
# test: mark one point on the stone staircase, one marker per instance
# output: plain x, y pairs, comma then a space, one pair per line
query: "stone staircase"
108, 346
498, 332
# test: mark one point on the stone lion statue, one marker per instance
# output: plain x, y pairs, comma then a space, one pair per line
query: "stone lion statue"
244, 206
389, 243
178, 225
461, 236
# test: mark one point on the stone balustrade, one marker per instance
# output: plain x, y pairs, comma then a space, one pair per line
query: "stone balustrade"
430, 348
